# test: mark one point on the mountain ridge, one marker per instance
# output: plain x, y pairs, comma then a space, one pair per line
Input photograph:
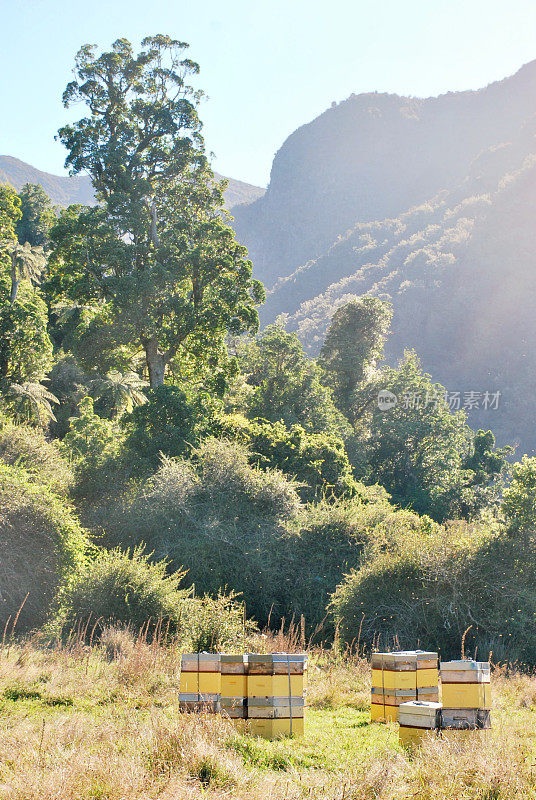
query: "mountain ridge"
65, 190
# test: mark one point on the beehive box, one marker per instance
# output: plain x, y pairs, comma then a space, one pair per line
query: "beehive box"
276, 707
466, 718
200, 682
275, 728
417, 719
276, 675
203, 703
233, 676
465, 684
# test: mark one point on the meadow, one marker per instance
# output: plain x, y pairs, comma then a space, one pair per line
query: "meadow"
103, 722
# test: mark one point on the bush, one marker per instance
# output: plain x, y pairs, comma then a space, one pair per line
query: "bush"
122, 588
216, 624
436, 585
169, 423
25, 446
41, 546
317, 461
217, 515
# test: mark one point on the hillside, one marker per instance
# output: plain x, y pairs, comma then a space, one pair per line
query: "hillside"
64, 190
370, 157
443, 201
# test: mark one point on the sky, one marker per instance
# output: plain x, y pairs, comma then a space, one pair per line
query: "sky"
267, 67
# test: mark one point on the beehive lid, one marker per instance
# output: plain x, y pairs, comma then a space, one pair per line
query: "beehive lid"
299, 657
420, 708
200, 657
402, 657
232, 658
466, 664
260, 658
198, 697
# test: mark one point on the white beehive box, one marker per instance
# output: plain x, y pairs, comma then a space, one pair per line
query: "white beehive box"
420, 714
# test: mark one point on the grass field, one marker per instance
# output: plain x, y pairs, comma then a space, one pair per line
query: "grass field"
101, 724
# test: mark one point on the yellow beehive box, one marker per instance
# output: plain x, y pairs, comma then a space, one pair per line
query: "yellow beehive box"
275, 685
417, 719
234, 686
200, 682
466, 695
276, 728
381, 713
391, 679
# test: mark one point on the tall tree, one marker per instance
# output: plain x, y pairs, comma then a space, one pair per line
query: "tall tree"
37, 216
156, 251
353, 345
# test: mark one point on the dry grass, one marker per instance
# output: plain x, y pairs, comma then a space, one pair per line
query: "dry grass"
104, 723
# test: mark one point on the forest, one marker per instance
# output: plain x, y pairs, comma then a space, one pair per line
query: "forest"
165, 464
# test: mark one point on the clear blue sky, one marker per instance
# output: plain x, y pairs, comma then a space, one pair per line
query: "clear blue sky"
268, 66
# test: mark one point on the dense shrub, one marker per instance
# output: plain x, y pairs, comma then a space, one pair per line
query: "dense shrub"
216, 515
318, 461
25, 446
434, 586
334, 538
119, 587
129, 590
234, 525
41, 546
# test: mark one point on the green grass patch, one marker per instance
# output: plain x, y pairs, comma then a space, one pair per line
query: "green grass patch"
333, 739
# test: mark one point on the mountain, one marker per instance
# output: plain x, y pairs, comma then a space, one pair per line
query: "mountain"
429, 204
64, 190
370, 157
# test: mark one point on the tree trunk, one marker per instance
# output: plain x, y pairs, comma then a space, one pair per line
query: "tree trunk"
15, 279
156, 363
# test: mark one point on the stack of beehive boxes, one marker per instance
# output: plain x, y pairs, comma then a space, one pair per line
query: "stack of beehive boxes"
276, 691
401, 677
465, 689
200, 682
416, 719
262, 693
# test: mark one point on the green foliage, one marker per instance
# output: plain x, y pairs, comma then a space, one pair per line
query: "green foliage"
287, 385
217, 516
27, 447
37, 216
41, 546
156, 248
125, 588
25, 346
216, 623
353, 345
429, 589
416, 449
317, 461
169, 423
119, 392
91, 444
519, 502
